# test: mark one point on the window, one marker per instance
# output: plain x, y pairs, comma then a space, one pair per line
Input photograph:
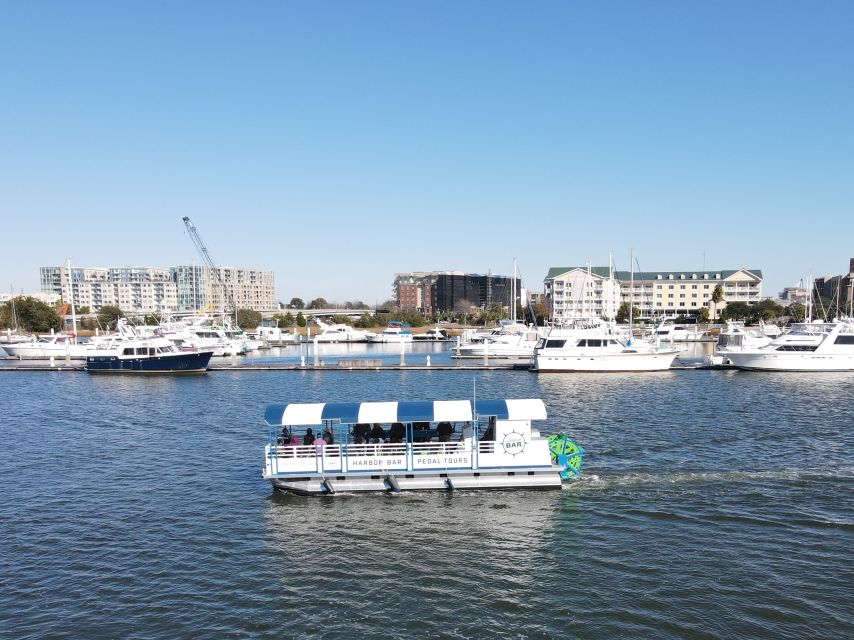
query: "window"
844, 340
693, 286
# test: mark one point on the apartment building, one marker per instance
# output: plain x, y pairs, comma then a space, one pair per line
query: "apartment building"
154, 289
581, 292
837, 290
448, 291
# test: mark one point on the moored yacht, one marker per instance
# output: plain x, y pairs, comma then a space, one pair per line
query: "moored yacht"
58, 345
432, 335
592, 347
667, 331
507, 341
807, 346
394, 332
338, 333
132, 354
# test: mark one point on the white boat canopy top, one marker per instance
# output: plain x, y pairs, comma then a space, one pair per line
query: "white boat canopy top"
385, 412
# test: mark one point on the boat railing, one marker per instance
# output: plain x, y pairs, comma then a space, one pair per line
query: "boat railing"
411, 456
376, 449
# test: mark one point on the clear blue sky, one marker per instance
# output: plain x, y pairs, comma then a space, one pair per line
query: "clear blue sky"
339, 142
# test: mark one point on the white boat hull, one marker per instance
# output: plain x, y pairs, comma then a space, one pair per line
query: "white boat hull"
36, 351
496, 351
390, 338
791, 361
605, 362
391, 482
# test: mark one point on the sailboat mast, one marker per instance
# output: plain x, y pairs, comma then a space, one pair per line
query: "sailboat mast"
71, 299
631, 287
513, 293
809, 298
14, 311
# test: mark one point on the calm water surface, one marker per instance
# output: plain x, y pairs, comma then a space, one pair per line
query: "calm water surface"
713, 505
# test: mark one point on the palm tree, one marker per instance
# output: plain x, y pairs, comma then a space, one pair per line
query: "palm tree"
717, 297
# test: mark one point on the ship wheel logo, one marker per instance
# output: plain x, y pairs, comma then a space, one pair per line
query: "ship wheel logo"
513, 443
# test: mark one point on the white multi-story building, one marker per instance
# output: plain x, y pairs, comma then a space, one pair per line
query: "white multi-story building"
153, 290
582, 292
684, 293
654, 293
51, 299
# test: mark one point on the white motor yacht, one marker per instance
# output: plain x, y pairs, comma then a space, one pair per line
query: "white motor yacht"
276, 337
807, 346
507, 341
737, 337
58, 345
394, 332
667, 331
432, 335
592, 347
338, 333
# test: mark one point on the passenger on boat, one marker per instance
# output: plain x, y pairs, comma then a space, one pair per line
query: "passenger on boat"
397, 432
444, 430
327, 436
284, 438
420, 431
309, 437
489, 434
319, 442
377, 433
361, 432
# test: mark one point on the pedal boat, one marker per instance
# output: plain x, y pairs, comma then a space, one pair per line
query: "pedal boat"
492, 446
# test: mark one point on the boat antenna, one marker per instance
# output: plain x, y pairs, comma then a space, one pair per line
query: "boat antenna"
474, 397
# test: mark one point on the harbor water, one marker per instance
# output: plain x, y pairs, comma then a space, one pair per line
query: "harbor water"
713, 504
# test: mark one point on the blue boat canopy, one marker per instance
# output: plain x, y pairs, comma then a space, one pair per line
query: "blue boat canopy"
386, 412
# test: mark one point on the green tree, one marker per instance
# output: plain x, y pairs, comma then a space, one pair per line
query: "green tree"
541, 312
623, 312
703, 315
318, 303
300, 319
737, 311
248, 318
285, 320
108, 317
493, 315
365, 321
716, 299
83, 310
297, 303
30, 315
411, 316
766, 310
797, 311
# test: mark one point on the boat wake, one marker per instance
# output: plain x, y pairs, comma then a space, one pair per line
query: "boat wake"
608, 481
